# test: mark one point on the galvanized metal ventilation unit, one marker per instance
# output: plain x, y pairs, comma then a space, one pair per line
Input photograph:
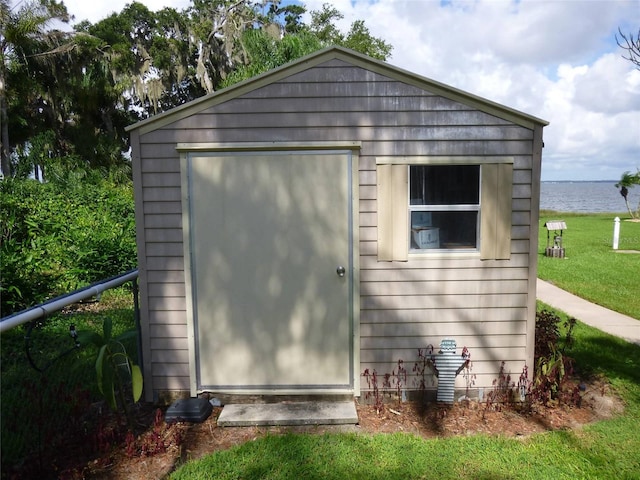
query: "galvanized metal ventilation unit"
447, 366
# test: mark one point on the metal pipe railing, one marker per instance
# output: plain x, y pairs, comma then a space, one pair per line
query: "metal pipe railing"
62, 301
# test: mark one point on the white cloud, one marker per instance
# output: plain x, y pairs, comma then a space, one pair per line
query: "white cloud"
556, 60
541, 32
608, 86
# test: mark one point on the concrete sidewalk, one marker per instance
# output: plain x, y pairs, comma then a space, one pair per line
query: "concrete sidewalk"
593, 315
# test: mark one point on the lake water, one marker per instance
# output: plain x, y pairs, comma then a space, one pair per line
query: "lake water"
586, 197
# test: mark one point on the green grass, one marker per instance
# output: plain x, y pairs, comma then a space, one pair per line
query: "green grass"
592, 269
561, 455
607, 449
37, 406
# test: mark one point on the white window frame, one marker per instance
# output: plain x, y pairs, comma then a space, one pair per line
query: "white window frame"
472, 207
495, 222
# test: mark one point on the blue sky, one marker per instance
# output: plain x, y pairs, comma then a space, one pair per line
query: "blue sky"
555, 59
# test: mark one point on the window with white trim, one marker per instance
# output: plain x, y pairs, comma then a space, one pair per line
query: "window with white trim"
460, 206
444, 207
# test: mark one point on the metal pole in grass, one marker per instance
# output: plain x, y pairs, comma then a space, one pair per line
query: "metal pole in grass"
59, 303
616, 232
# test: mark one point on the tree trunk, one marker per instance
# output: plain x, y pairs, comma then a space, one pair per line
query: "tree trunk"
5, 164
629, 207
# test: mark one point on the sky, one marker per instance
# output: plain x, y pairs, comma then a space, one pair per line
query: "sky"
554, 59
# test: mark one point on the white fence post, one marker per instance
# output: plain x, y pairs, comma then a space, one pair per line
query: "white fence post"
616, 232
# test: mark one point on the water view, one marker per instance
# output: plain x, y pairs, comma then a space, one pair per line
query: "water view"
601, 196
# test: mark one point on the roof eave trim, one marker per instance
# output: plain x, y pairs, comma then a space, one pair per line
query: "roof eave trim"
233, 91
322, 56
447, 91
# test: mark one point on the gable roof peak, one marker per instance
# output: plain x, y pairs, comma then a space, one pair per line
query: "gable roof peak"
349, 56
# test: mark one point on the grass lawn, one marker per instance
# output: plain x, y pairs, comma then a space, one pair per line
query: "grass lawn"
605, 450
592, 269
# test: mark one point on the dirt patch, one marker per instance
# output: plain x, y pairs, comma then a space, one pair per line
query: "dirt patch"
158, 447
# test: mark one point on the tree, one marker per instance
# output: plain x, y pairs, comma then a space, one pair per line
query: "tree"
358, 38
19, 31
146, 55
266, 48
216, 28
64, 110
291, 14
67, 97
265, 52
632, 47
628, 180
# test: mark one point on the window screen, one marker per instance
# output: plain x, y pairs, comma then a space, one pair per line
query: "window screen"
444, 207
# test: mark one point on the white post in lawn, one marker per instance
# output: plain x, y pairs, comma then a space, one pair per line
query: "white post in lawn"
616, 232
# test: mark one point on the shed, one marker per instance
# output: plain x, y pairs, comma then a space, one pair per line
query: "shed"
329, 216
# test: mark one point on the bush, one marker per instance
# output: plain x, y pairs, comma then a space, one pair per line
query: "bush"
553, 368
57, 237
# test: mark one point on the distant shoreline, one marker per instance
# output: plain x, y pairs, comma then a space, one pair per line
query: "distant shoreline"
580, 181
585, 196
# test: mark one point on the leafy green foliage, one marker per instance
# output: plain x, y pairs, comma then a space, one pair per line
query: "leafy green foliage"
266, 52
552, 368
71, 94
358, 37
548, 335
550, 379
40, 410
26, 47
114, 367
60, 236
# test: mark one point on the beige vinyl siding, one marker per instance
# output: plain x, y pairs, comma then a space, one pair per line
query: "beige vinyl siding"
484, 305
163, 293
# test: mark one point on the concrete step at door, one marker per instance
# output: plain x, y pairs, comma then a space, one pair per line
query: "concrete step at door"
289, 413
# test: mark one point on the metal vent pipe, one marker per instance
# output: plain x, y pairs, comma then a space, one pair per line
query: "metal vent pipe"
447, 366
59, 303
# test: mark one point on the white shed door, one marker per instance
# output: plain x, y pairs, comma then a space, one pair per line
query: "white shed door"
268, 233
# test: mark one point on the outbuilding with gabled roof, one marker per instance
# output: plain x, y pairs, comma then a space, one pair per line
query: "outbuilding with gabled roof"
333, 215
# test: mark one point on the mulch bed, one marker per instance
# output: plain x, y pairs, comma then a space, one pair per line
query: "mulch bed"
157, 447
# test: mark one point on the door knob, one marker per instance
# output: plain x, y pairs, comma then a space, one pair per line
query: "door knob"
340, 271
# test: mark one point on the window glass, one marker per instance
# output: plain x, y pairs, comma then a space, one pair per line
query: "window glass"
444, 206
444, 184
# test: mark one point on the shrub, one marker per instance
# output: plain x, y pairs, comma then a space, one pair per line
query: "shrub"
57, 237
552, 368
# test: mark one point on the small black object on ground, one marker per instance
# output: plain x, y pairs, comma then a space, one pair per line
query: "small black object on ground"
195, 410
